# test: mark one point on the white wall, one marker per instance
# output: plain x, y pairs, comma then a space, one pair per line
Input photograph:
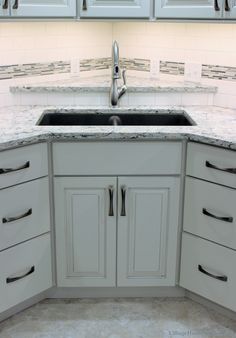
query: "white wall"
204, 43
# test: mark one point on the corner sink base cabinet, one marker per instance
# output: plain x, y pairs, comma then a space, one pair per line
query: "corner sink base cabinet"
116, 231
117, 226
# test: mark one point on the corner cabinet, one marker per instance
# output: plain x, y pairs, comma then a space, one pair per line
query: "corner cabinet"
38, 8
209, 225
25, 233
120, 227
115, 9
193, 9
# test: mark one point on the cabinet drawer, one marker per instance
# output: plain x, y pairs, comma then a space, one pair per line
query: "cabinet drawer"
24, 164
24, 212
117, 158
214, 259
31, 262
202, 159
209, 211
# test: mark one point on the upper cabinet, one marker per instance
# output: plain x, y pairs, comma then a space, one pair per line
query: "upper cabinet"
195, 9
115, 8
38, 8
4, 8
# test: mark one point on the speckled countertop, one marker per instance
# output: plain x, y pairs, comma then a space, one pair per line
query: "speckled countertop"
103, 84
216, 126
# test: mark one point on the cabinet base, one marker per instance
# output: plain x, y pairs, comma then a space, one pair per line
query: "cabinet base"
116, 292
203, 301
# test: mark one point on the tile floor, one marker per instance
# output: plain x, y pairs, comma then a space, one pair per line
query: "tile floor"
118, 318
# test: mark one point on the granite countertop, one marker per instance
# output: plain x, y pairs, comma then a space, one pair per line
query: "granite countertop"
215, 126
103, 84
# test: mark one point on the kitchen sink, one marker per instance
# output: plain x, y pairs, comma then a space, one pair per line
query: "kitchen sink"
79, 117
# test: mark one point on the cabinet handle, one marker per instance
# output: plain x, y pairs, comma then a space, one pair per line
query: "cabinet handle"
216, 6
225, 219
16, 4
222, 278
9, 170
123, 195
228, 170
111, 194
12, 219
5, 4
84, 5
14, 279
227, 8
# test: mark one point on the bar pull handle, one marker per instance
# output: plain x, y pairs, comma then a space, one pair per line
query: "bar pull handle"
16, 218
216, 6
9, 170
84, 6
227, 7
111, 197
5, 4
228, 170
225, 219
123, 197
221, 278
15, 278
16, 4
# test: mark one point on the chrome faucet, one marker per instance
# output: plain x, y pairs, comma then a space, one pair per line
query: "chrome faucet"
116, 92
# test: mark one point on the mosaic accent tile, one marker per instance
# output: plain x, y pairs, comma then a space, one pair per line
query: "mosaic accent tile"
95, 64
216, 72
172, 68
143, 65
34, 69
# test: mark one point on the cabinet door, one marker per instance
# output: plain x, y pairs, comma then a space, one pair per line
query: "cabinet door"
115, 8
45, 8
4, 8
229, 9
201, 9
85, 231
147, 230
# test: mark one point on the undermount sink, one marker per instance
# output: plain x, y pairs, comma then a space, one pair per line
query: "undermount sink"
79, 117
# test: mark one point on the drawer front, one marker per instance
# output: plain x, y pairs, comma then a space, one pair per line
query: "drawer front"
202, 159
117, 158
24, 212
24, 164
209, 211
25, 271
199, 254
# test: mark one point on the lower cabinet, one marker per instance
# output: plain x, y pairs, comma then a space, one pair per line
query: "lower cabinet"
25, 271
208, 269
116, 231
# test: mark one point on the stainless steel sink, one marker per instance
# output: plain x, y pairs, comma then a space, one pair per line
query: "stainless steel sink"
79, 117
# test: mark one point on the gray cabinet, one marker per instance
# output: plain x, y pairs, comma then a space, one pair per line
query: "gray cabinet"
116, 219
194, 9
85, 231
4, 8
147, 231
38, 8
115, 8
143, 226
209, 236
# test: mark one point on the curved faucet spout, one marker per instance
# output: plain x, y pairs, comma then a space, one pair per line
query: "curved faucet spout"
115, 91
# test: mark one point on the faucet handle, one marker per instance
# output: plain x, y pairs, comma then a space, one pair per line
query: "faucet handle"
124, 76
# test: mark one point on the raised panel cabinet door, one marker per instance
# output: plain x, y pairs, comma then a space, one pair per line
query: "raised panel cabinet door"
148, 210
85, 214
229, 9
43, 8
115, 8
202, 9
4, 8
